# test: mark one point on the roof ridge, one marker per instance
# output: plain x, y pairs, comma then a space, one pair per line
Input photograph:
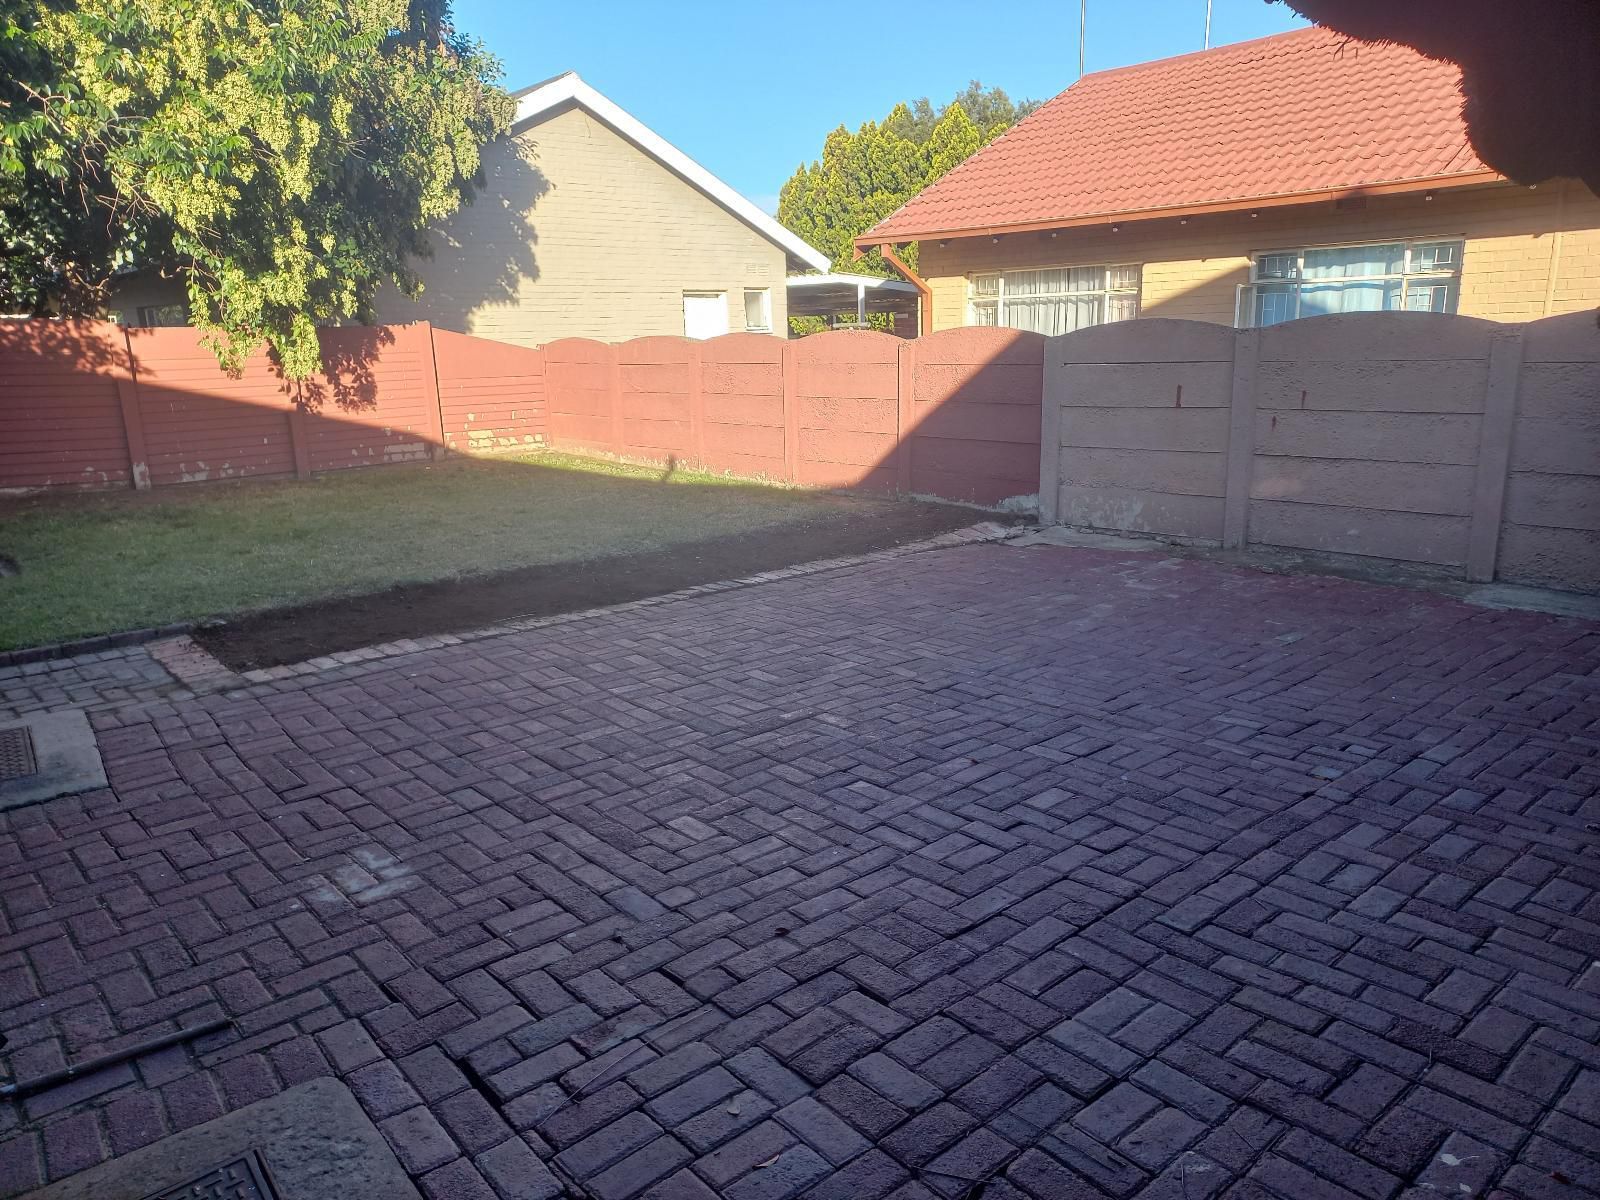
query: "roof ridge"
1149, 63
534, 87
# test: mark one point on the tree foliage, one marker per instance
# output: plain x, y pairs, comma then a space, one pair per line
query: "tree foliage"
864, 176
283, 157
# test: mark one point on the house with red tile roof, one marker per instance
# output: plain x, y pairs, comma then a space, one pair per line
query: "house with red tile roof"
1284, 177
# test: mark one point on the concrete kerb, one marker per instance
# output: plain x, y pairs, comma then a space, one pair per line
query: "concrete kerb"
93, 645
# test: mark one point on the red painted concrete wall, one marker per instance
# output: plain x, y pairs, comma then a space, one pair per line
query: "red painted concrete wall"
955, 415
94, 404
846, 428
974, 413
197, 422
742, 402
378, 401
491, 394
584, 394
60, 410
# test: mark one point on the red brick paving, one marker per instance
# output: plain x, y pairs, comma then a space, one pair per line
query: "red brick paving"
1081, 873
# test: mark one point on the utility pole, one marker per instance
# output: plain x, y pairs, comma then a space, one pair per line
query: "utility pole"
1083, 22
1208, 25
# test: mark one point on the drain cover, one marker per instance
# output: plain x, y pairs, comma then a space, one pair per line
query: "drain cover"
244, 1178
16, 753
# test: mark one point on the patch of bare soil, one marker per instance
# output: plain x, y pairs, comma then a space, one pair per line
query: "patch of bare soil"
294, 634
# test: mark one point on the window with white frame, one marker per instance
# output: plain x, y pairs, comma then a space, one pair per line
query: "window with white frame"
758, 309
1415, 276
1055, 299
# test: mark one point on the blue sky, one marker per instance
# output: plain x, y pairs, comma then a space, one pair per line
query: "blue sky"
751, 89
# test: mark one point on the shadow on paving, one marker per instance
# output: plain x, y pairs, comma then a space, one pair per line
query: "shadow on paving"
1007, 873
304, 631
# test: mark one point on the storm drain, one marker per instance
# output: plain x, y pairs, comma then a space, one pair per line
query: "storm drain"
243, 1178
17, 759
46, 755
312, 1142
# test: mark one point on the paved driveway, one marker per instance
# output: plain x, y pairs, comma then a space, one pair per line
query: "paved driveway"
1079, 873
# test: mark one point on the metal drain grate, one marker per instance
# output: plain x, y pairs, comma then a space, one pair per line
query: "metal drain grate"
243, 1178
16, 754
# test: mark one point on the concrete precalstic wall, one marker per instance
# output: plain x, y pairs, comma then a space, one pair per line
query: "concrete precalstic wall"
955, 415
1451, 441
1461, 443
92, 404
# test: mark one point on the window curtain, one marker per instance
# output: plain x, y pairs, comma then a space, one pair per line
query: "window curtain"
1347, 289
1041, 301
1352, 262
1347, 296
1051, 315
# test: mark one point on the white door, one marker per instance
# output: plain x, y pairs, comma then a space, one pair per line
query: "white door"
705, 314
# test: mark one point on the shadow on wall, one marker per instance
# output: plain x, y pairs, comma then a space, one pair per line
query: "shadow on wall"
348, 380
1440, 439
90, 404
953, 415
349, 377
485, 252
1453, 441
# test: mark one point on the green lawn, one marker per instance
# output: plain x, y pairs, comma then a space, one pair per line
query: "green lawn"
100, 562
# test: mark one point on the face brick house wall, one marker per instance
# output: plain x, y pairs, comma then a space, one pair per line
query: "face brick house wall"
1529, 253
579, 233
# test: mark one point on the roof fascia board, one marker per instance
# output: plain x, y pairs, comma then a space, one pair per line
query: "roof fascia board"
870, 239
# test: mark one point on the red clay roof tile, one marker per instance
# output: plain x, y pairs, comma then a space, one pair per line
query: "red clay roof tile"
1301, 112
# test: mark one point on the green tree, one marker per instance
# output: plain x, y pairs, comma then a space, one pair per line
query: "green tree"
990, 109
284, 157
864, 176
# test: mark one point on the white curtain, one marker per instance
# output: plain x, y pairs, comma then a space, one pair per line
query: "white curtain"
1317, 299
1041, 301
1352, 262
1348, 288
1052, 314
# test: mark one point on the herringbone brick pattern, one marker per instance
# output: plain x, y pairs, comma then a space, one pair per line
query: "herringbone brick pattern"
1051, 873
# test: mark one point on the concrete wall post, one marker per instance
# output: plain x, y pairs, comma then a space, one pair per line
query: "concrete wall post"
614, 396
1494, 453
429, 367
132, 419
697, 404
791, 413
1241, 439
905, 387
1054, 396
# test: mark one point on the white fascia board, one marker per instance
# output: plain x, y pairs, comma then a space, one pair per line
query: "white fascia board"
569, 87
874, 282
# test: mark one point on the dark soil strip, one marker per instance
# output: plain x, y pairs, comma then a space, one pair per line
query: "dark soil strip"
286, 635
